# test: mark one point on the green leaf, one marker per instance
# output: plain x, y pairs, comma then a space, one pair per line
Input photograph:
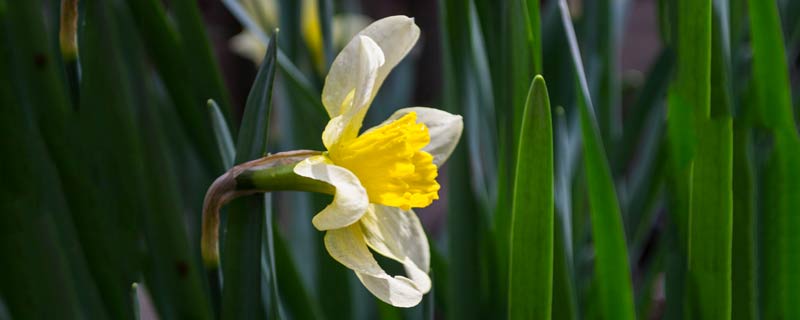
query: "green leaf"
45, 275
703, 81
710, 222
612, 273
648, 101
646, 191
565, 305
522, 61
465, 237
769, 65
650, 280
242, 248
133, 164
777, 251
601, 34
39, 282
429, 304
780, 286
291, 24
242, 297
388, 312
203, 70
682, 141
222, 134
518, 65
252, 140
534, 27
743, 269
437, 302
507, 42
565, 299
716, 202
326, 26
107, 236
311, 105
642, 152
167, 53
531, 248
269, 279
468, 91
675, 271
779, 256
296, 298
469, 241
332, 276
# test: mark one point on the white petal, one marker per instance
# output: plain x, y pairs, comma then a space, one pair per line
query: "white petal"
398, 291
347, 246
350, 201
395, 35
353, 69
445, 130
247, 45
333, 130
398, 234
351, 83
359, 70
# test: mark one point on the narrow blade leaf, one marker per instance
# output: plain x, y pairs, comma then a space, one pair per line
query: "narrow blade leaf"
241, 257
531, 248
612, 272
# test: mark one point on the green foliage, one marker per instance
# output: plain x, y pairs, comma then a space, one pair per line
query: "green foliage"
531, 248
781, 255
469, 244
612, 275
243, 296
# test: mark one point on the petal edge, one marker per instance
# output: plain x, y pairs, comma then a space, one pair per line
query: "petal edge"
444, 128
350, 201
398, 234
348, 247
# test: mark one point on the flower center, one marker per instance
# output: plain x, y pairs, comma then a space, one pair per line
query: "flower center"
390, 163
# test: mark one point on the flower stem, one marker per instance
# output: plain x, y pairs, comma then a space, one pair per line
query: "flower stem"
271, 173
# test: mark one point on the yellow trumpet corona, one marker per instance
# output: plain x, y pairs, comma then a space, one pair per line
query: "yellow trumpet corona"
391, 165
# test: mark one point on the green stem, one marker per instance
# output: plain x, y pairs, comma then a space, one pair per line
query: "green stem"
271, 173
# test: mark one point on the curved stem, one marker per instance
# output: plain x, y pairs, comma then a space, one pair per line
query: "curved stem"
271, 173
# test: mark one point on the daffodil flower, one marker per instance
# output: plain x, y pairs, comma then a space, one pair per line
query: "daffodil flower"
381, 174
376, 177
343, 27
